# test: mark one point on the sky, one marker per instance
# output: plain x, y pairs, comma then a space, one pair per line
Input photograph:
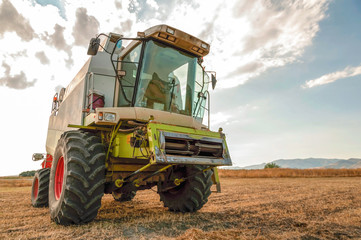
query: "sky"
289, 72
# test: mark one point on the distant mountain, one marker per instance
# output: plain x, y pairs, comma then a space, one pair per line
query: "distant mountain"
310, 163
350, 163
305, 163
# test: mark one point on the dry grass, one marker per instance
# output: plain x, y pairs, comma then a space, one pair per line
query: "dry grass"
248, 208
19, 182
289, 173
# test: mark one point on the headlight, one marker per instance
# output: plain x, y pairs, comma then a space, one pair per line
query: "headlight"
171, 31
110, 117
204, 45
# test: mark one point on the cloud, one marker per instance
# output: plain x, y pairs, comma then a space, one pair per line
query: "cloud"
259, 35
12, 21
17, 81
242, 7
153, 4
42, 57
209, 28
237, 115
247, 37
134, 7
332, 77
219, 118
118, 5
57, 38
85, 27
16, 55
260, 39
126, 25
247, 68
69, 62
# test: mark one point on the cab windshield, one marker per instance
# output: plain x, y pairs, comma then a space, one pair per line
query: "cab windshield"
168, 80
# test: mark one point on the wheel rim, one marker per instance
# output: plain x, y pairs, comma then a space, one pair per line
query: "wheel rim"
59, 175
36, 188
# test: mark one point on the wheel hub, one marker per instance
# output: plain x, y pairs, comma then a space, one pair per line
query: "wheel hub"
36, 188
59, 175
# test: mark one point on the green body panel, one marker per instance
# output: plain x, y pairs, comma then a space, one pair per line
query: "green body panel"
153, 148
198, 134
121, 147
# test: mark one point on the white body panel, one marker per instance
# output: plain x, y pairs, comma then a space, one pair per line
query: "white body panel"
97, 73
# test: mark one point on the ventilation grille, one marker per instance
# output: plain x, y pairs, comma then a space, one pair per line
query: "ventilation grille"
191, 147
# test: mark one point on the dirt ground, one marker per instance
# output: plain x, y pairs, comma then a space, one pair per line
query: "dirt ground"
247, 208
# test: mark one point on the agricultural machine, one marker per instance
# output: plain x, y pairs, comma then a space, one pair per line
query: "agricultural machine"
132, 119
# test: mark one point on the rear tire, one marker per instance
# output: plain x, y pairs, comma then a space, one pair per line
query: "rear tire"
40, 188
77, 178
190, 195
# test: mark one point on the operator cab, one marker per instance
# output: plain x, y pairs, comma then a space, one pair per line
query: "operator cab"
160, 70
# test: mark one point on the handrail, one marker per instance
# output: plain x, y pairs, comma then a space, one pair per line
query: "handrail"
208, 109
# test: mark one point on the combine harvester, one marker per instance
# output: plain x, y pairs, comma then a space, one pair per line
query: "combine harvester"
132, 119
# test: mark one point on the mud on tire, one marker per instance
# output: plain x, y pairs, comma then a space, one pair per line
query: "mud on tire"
77, 178
190, 195
40, 188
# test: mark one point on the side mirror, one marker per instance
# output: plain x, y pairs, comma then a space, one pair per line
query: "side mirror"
61, 95
93, 46
214, 81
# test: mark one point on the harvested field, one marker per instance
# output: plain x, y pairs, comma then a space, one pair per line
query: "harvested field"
288, 172
247, 208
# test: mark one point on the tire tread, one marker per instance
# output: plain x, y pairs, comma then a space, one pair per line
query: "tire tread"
194, 193
43, 176
85, 177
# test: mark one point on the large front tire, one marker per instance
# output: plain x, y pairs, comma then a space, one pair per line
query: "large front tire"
40, 188
77, 178
191, 194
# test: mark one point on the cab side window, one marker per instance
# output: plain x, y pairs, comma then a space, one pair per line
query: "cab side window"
130, 65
